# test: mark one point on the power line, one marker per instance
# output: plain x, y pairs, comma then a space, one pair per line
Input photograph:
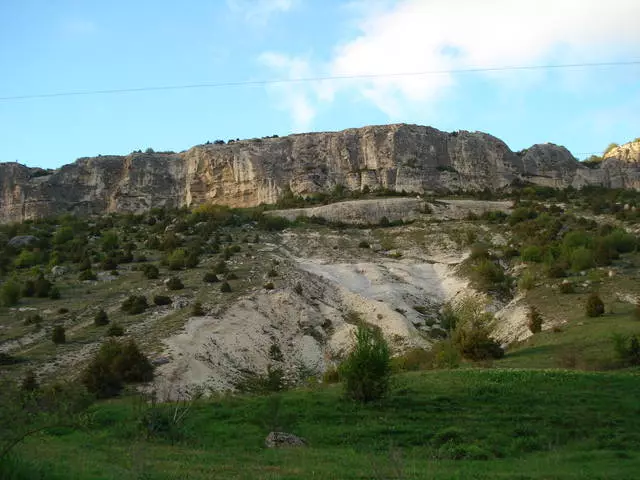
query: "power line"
253, 83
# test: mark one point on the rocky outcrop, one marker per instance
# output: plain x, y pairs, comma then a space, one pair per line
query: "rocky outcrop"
629, 152
250, 172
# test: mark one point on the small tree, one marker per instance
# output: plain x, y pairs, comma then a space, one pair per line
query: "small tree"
58, 335
113, 365
197, 310
162, 300
135, 304
534, 320
174, 283
101, 318
115, 330
150, 271
594, 306
210, 277
367, 370
10, 293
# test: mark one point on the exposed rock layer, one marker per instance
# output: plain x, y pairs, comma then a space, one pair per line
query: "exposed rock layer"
249, 172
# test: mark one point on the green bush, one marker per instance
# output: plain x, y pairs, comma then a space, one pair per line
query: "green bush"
366, 371
582, 258
28, 288
42, 286
116, 363
627, 349
225, 287
197, 310
534, 320
594, 306
174, 283
176, 260
472, 331
87, 275
150, 271
115, 330
532, 253
567, 287
58, 335
210, 277
220, 267
101, 318
135, 304
162, 300
10, 293
414, 359
54, 293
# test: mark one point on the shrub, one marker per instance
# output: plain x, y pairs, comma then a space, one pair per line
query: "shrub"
582, 259
298, 288
363, 244
272, 273
54, 293
101, 318
269, 286
87, 275
594, 305
534, 320
28, 288
174, 283
414, 359
33, 319
176, 260
367, 369
135, 304
150, 271
115, 330
42, 287
197, 310
331, 375
556, 270
627, 349
210, 277
567, 287
192, 260
225, 287
527, 280
162, 300
532, 253
10, 293
58, 335
471, 336
220, 267
116, 363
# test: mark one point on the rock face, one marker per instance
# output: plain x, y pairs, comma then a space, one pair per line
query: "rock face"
629, 152
249, 172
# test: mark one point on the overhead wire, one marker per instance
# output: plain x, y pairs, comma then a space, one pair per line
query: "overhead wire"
283, 81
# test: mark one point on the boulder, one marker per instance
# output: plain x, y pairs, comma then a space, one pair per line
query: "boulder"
284, 440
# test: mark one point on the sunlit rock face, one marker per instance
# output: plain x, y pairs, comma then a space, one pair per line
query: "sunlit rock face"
247, 173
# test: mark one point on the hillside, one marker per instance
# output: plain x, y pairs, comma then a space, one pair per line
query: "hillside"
233, 307
246, 173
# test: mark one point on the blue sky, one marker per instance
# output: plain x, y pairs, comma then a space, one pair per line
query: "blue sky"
79, 45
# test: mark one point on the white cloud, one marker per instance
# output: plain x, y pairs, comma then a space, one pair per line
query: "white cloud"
420, 35
259, 11
293, 97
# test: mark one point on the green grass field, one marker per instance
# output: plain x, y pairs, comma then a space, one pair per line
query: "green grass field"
489, 423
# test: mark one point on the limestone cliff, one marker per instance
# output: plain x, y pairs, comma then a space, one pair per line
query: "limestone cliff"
249, 172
